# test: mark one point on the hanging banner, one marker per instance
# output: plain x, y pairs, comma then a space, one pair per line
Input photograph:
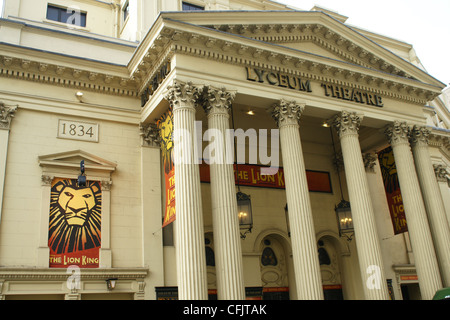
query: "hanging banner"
165, 126
250, 175
74, 236
392, 188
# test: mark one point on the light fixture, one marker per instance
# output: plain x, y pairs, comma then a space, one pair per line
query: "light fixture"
111, 283
79, 96
286, 213
343, 209
325, 124
82, 181
244, 205
251, 113
345, 220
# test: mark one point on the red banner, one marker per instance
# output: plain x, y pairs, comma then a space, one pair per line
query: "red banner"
392, 188
165, 126
250, 175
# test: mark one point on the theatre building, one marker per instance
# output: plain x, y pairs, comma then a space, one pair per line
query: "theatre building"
235, 149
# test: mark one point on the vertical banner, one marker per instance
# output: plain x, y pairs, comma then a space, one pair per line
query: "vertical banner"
74, 235
392, 188
165, 126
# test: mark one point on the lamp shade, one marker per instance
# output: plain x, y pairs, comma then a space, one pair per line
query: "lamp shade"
344, 217
245, 216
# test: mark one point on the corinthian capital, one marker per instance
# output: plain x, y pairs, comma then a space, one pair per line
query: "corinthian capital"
419, 135
183, 95
347, 123
6, 115
150, 134
217, 100
441, 172
397, 133
287, 112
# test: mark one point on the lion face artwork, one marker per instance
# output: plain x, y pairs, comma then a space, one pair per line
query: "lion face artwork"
75, 218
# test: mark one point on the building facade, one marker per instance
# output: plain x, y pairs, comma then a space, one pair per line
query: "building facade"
133, 134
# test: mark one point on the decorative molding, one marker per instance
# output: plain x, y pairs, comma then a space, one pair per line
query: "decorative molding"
441, 172
287, 113
183, 95
217, 100
347, 123
57, 274
7, 113
47, 180
54, 74
106, 185
369, 162
419, 135
150, 134
397, 133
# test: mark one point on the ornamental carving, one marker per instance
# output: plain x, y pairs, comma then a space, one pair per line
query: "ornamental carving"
441, 172
347, 123
217, 100
6, 115
287, 112
369, 162
419, 135
150, 135
398, 133
183, 95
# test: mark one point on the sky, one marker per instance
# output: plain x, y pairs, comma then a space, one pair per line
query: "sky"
425, 24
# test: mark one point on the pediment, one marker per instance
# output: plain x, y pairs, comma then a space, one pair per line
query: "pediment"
314, 32
70, 160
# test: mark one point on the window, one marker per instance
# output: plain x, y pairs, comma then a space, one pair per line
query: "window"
126, 10
69, 15
191, 7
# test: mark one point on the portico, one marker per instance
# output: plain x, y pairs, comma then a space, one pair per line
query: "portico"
259, 67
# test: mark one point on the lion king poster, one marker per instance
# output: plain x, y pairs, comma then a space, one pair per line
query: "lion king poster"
74, 235
393, 192
165, 126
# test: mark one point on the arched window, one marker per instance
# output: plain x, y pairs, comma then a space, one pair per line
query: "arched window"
268, 257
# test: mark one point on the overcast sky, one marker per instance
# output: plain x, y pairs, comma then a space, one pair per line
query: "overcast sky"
423, 23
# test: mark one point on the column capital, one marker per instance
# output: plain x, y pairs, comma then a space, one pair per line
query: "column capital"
6, 115
183, 95
397, 133
419, 135
347, 123
440, 172
287, 112
217, 100
369, 161
150, 134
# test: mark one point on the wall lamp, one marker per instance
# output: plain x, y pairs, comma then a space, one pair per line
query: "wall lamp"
111, 283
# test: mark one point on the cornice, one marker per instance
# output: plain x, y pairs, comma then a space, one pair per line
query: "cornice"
234, 49
10, 274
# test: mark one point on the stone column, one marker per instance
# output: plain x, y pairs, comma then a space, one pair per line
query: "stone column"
367, 242
190, 238
303, 238
434, 203
416, 217
227, 241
